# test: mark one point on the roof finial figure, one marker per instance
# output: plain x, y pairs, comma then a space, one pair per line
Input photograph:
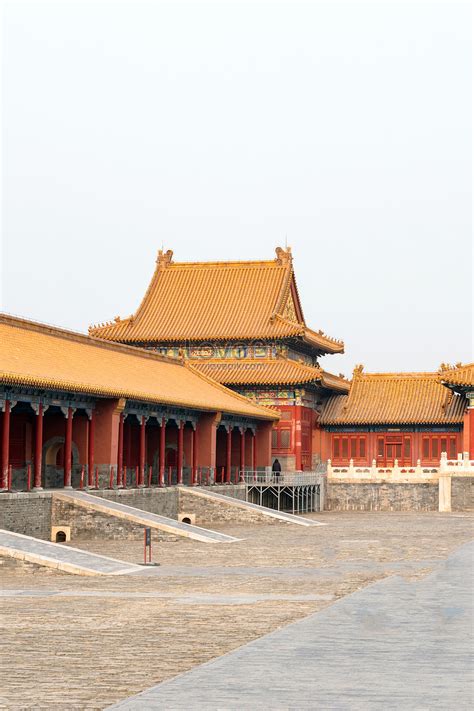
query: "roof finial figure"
164, 258
283, 255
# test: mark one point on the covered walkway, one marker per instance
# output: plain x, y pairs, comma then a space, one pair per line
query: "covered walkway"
76, 412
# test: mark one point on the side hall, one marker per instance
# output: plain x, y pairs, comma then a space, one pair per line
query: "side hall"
76, 412
400, 419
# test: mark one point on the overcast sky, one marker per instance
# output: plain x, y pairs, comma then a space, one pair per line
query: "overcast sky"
219, 130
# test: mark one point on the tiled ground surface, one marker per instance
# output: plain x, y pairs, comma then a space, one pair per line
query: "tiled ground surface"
396, 644
87, 651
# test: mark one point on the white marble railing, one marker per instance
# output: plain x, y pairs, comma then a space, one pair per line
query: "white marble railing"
354, 471
458, 467
461, 465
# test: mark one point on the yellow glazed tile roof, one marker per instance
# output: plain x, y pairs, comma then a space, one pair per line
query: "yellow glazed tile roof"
280, 371
462, 375
394, 399
208, 301
45, 357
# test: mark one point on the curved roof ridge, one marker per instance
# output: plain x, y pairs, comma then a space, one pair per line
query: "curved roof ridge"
32, 354
461, 375
268, 371
60, 332
396, 399
284, 292
398, 375
215, 301
269, 410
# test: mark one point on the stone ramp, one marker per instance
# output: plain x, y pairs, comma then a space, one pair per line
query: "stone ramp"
256, 508
59, 557
143, 518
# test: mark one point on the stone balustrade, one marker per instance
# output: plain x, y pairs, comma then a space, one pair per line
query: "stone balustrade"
374, 472
458, 467
462, 466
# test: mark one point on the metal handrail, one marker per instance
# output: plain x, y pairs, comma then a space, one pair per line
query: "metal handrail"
283, 478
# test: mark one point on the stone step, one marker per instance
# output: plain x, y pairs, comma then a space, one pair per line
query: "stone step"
143, 518
60, 557
262, 510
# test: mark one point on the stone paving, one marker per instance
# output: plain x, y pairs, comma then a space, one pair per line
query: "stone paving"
70, 642
392, 645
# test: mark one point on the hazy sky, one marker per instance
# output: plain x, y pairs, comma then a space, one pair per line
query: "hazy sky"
219, 128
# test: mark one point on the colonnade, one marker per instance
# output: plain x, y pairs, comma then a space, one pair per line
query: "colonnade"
129, 441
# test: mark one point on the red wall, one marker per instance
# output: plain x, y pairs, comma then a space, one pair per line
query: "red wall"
385, 447
295, 429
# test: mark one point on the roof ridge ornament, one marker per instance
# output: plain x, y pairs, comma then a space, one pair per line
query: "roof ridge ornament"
284, 256
164, 259
357, 370
447, 366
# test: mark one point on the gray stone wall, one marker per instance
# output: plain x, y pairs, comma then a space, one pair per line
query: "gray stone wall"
235, 491
209, 511
163, 502
353, 496
462, 493
29, 514
88, 524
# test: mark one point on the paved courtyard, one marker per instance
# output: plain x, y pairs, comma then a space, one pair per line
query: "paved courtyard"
395, 644
69, 642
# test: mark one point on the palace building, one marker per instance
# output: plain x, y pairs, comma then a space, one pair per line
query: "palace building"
77, 411
241, 324
460, 380
402, 417
215, 374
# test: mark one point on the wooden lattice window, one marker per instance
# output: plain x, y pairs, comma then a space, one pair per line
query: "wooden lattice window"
345, 447
433, 445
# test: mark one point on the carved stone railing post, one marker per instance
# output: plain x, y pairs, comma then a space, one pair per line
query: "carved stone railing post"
443, 462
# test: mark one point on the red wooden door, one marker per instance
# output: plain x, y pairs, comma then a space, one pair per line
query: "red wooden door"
393, 451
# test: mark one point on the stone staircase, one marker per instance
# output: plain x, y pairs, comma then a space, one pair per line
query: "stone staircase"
136, 516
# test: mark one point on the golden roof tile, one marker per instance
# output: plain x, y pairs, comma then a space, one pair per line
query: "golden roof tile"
46, 357
461, 375
394, 399
259, 371
209, 301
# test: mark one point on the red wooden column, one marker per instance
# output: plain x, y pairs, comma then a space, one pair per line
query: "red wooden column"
162, 449
128, 463
242, 453
38, 447
5, 445
229, 454
298, 442
141, 472
68, 448
180, 451
90, 449
195, 455
471, 429
254, 452
120, 450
